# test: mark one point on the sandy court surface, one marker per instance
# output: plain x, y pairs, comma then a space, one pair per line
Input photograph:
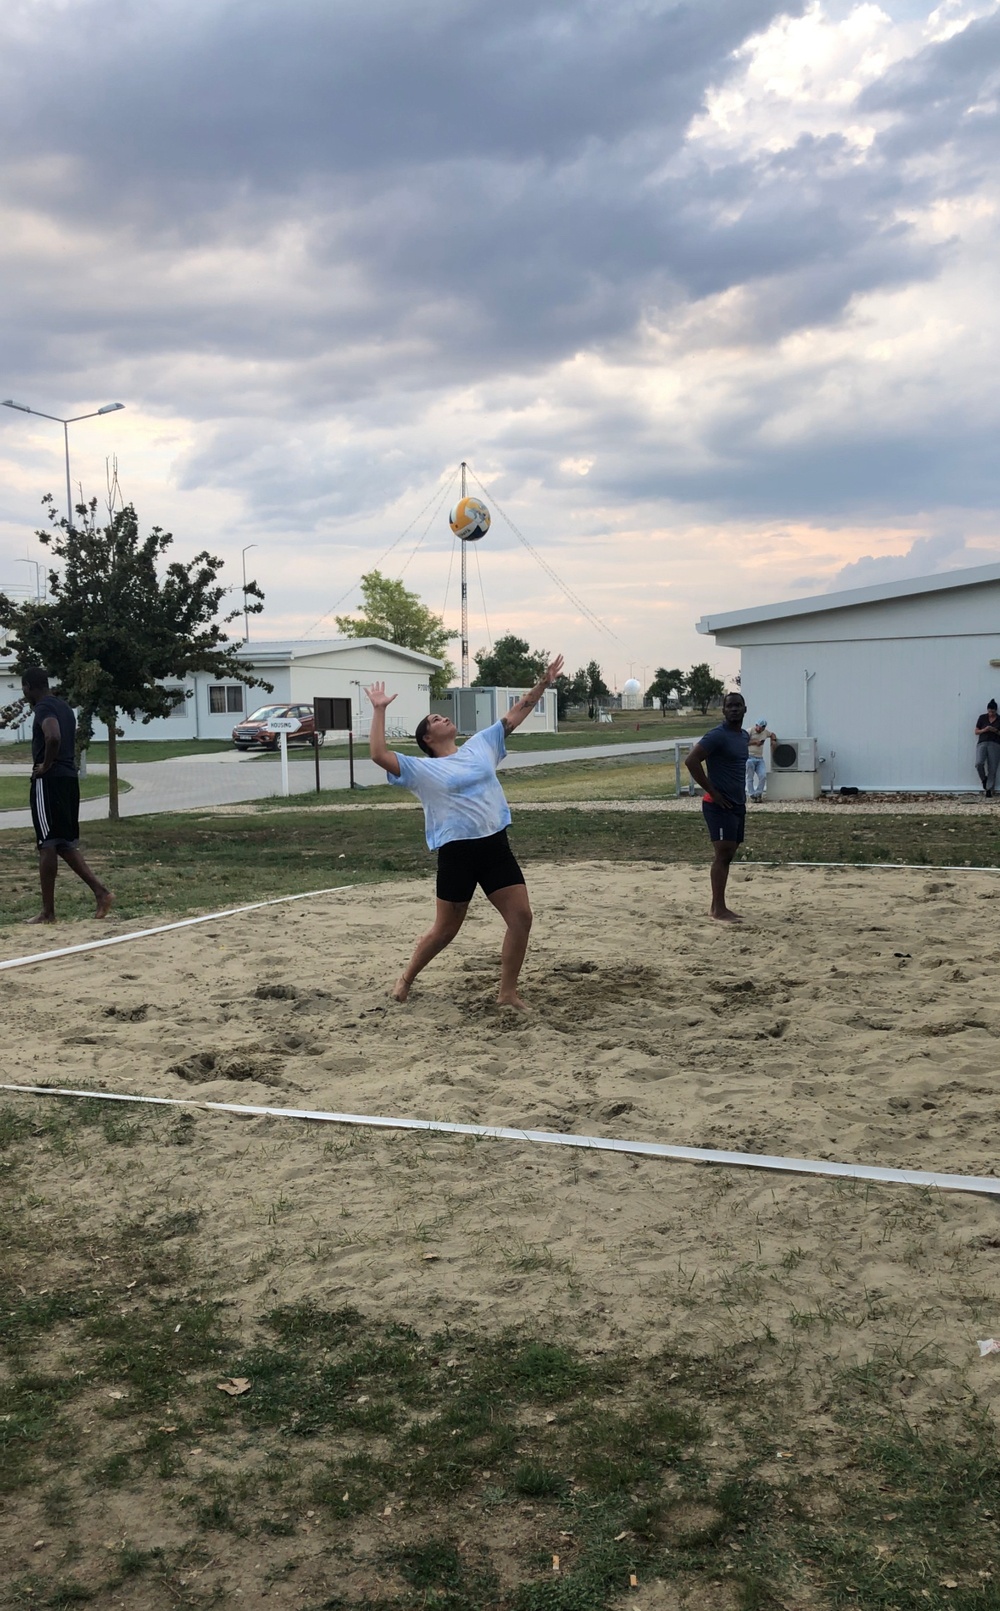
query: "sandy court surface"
853, 1016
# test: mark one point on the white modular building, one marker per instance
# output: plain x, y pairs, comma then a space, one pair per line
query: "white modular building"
888, 680
473, 709
11, 698
299, 672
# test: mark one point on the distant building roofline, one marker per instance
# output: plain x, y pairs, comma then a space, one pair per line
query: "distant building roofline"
877, 593
288, 649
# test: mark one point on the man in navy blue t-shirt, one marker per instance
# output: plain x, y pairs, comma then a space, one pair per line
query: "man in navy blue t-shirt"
55, 795
718, 764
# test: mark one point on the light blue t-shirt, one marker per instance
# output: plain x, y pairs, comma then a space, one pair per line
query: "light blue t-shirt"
460, 793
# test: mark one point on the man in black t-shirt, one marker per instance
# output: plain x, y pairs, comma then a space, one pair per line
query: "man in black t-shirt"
988, 748
55, 794
718, 764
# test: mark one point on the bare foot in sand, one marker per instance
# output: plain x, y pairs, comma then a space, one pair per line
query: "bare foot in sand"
513, 1000
104, 904
401, 989
43, 917
726, 916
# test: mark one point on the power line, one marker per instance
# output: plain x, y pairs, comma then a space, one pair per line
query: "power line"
437, 496
482, 595
447, 585
577, 602
423, 534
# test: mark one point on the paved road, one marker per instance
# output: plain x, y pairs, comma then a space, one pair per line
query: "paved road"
228, 778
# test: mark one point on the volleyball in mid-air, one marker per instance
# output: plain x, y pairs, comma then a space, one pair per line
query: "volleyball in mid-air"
470, 519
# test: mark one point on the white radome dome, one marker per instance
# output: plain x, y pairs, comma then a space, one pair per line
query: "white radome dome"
632, 686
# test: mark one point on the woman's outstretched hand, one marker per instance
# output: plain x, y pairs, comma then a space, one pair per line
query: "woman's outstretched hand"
378, 696
554, 670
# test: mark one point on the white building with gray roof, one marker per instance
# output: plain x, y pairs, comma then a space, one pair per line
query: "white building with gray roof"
888, 679
299, 671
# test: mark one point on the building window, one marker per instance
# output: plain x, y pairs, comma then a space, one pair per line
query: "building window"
514, 699
180, 709
223, 699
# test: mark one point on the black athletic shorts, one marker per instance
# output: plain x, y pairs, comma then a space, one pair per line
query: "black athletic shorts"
55, 811
729, 825
464, 863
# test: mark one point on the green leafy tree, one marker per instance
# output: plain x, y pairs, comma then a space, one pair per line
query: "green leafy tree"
391, 612
116, 626
597, 688
703, 688
664, 684
571, 691
510, 664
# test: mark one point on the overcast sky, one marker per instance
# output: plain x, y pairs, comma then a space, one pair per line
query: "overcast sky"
706, 294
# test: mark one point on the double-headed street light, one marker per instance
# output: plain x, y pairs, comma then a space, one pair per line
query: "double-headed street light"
109, 408
39, 599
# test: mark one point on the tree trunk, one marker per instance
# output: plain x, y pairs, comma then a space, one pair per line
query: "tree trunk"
112, 767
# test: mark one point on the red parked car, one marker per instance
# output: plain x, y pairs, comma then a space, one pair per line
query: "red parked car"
253, 731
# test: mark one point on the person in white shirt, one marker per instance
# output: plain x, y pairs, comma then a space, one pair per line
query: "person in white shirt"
756, 764
465, 818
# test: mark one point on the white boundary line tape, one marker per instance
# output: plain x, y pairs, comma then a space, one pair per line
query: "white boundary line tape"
555, 1138
880, 866
164, 928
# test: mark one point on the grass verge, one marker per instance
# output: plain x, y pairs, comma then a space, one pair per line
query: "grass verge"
132, 749
14, 791
361, 1462
651, 728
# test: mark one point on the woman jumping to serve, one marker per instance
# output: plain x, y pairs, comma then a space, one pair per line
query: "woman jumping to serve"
466, 819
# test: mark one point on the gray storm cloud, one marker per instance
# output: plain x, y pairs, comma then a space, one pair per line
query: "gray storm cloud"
316, 223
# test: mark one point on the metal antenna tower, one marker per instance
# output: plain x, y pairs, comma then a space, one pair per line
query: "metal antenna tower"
465, 604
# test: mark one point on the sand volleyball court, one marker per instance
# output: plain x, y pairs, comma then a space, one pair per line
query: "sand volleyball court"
853, 1017
514, 1376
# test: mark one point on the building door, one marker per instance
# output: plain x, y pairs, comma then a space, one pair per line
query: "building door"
484, 708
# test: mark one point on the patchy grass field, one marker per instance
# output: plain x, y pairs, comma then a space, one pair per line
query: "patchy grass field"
630, 778
352, 1458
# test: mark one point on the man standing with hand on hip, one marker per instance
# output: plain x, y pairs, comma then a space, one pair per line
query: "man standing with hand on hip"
55, 795
718, 764
465, 818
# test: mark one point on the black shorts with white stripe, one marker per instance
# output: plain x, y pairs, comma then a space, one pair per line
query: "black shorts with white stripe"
55, 811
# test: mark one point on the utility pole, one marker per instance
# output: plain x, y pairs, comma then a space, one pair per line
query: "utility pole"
465, 605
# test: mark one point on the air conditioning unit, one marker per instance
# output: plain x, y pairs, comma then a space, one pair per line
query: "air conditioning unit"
794, 755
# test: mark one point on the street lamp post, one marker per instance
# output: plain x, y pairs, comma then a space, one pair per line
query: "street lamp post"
109, 408
246, 617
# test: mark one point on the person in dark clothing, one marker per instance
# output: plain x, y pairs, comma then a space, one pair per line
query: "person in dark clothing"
988, 748
55, 795
718, 764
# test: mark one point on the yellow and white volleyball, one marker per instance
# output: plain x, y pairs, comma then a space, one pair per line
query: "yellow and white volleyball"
470, 519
